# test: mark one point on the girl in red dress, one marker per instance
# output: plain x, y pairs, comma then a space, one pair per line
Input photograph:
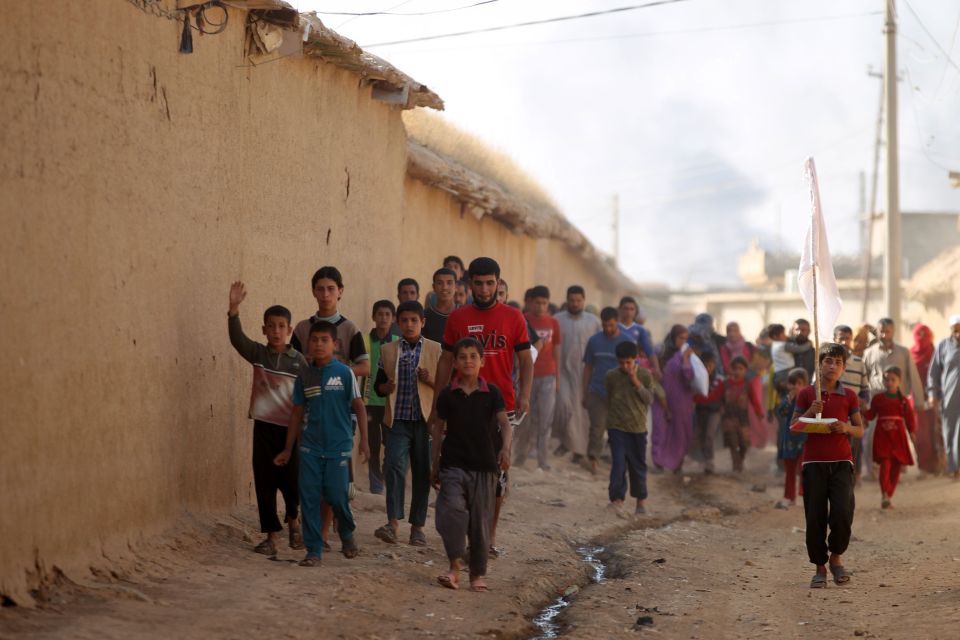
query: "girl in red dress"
891, 450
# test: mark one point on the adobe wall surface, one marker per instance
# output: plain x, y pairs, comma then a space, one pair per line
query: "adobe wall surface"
137, 183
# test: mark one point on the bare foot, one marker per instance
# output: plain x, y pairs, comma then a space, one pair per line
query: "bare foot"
478, 584
449, 580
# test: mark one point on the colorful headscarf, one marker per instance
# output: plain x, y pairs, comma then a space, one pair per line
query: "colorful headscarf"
922, 349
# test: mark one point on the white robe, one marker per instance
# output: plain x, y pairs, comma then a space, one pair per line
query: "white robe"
571, 423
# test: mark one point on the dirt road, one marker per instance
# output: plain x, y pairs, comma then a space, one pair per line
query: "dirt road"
712, 560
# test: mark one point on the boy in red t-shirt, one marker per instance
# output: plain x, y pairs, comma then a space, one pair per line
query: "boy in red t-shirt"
543, 397
828, 476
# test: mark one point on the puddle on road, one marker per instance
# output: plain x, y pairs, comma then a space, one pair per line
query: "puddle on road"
546, 620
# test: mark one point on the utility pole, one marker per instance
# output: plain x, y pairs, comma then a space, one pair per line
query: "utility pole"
892, 257
616, 229
871, 213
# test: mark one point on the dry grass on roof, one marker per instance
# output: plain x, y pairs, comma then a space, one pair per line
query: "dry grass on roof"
435, 132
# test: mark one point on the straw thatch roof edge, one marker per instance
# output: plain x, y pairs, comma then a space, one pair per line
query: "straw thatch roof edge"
482, 196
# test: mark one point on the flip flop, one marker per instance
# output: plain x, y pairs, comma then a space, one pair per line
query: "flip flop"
840, 575
310, 561
296, 538
445, 581
417, 538
387, 534
819, 581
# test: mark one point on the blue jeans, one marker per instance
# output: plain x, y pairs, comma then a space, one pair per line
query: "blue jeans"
629, 453
324, 480
407, 442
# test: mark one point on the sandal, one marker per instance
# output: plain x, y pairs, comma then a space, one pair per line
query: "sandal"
840, 575
417, 538
445, 581
349, 548
266, 547
819, 581
310, 561
388, 534
493, 552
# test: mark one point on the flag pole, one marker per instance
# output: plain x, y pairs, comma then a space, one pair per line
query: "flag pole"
816, 319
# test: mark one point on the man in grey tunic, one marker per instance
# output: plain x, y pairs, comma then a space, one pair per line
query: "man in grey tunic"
942, 384
571, 424
878, 357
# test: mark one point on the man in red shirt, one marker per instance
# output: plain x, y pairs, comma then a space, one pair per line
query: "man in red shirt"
502, 332
828, 475
543, 397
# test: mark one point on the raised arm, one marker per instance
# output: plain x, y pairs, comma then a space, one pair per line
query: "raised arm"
246, 347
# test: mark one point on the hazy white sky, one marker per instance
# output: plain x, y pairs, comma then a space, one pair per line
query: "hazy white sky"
699, 114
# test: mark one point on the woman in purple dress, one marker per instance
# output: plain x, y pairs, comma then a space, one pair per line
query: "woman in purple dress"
673, 427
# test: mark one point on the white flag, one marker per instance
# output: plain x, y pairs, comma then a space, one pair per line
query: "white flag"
816, 265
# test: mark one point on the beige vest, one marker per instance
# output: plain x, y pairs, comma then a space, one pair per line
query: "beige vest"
390, 358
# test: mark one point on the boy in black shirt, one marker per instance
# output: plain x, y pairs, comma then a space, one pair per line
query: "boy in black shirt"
467, 459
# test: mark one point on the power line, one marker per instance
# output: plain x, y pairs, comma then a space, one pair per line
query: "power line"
530, 23
414, 13
648, 34
945, 53
390, 8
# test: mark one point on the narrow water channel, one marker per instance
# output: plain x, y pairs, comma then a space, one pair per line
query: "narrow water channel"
546, 620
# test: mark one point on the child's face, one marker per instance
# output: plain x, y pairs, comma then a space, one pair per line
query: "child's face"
831, 368
460, 295
610, 327
469, 362
737, 372
321, 346
383, 318
891, 381
501, 293
277, 331
444, 286
711, 366
539, 306
627, 365
327, 294
845, 338
411, 324
408, 292
793, 388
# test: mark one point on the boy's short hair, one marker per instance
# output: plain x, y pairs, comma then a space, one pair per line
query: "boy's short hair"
885, 322
841, 328
278, 311
775, 330
739, 360
384, 304
627, 350
797, 376
408, 282
527, 294
608, 313
323, 326
628, 300
328, 272
443, 271
833, 350
894, 369
462, 283
410, 306
708, 357
467, 343
575, 289
540, 291
484, 267
454, 259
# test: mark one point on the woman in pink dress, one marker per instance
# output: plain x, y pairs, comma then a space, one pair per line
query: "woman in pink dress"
927, 438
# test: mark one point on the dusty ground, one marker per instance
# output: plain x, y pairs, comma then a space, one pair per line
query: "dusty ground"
732, 567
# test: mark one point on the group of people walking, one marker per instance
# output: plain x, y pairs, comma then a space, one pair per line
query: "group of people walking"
463, 385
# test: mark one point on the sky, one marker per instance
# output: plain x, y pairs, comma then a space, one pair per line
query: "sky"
697, 114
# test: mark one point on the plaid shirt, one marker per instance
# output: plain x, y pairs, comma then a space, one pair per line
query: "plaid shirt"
408, 399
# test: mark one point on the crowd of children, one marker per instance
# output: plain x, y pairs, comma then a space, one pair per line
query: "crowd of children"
459, 388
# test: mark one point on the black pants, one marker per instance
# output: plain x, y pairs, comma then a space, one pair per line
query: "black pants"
376, 440
827, 501
268, 441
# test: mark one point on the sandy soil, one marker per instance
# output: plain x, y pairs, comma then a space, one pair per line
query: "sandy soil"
730, 566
